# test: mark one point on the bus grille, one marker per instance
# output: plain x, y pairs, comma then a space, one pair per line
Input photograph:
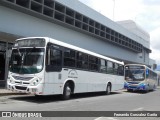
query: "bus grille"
21, 88
133, 82
22, 78
132, 87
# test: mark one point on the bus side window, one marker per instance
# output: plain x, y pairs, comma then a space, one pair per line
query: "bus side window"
147, 74
115, 68
82, 61
93, 63
69, 58
110, 67
120, 70
53, 60
103, 66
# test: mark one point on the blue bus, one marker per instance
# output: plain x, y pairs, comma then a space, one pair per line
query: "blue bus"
140, 77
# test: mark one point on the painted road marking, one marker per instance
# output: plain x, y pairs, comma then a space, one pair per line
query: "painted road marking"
106, 118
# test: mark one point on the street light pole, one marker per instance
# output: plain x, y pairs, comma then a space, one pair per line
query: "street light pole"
113, 8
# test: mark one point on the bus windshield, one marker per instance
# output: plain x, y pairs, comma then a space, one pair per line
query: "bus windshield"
134, 73
27, 60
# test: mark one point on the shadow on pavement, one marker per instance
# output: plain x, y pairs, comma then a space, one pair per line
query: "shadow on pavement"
139, 91
57, 98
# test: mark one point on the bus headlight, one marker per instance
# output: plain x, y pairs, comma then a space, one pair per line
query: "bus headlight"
125, 85
142, 86
35, 82
11, 81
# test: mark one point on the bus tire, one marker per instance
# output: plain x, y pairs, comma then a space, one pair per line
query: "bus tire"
154, 87
129, 90
38, 96
108, 89
66, 92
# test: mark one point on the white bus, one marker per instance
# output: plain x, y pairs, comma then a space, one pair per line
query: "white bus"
140, 77
45, 66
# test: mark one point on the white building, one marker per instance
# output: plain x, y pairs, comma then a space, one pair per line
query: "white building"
69, 21
144, 37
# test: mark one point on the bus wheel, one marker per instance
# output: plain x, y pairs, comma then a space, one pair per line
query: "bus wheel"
108, 89
129, 90
154, 87
38, 96
66, 92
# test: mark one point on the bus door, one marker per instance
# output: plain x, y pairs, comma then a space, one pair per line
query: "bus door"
148, 78
2, 65
53, 68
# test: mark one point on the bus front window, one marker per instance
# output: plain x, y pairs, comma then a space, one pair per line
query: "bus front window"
134, 74
27, 60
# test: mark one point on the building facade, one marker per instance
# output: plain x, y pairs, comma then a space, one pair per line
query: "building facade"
69, 21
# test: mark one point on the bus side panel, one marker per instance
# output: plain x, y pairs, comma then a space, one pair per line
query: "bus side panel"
85, 81
150, 84
119, 83
89, 82
153, 84
93, 82
96, 82
52, 83
78, 77
81, 82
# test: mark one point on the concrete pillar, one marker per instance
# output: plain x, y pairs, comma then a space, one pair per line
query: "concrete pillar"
6, 64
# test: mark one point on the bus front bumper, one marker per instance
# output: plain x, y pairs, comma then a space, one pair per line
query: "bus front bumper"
135, 87
24, 89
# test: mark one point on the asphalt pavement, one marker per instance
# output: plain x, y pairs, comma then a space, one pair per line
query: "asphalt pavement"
4, 91
117, 101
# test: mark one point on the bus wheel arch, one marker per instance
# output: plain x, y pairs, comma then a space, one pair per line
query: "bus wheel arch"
68, 89
108, 88
154, 87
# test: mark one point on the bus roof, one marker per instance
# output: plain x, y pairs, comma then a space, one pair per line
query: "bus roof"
54, 41
140, 65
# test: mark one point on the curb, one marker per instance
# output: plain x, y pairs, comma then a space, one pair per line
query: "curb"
5, 92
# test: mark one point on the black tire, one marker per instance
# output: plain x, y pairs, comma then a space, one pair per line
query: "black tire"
108, 89
154, 87
129, 90
66, 92
147, 89
38, 96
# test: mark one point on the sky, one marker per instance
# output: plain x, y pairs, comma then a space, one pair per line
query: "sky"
146, 14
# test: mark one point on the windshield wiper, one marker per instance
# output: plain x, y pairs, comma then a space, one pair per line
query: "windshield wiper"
19, 52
